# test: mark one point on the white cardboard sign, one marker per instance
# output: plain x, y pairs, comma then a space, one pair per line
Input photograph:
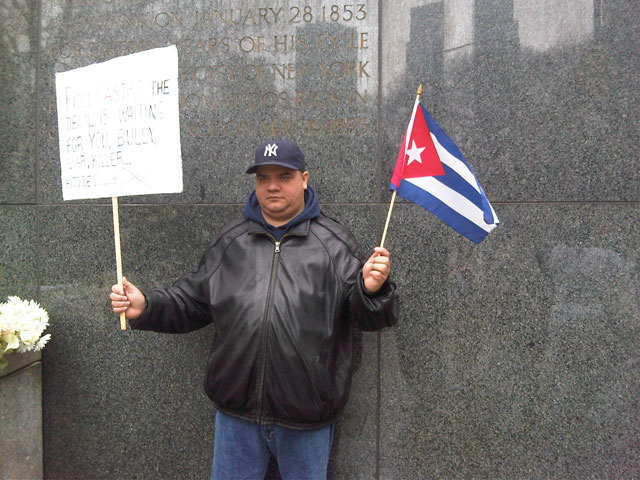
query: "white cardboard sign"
119, 127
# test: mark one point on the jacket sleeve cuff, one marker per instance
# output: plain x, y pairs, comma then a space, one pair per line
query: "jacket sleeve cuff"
384, 288
374, 311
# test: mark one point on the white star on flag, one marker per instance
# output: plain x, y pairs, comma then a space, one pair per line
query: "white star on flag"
414, 153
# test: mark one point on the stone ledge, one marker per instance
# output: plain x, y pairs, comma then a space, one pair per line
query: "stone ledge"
21, 419
20, 360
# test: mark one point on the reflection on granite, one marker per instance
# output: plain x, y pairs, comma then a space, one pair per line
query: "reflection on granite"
552, 125
18, 256
514, 356
18, 45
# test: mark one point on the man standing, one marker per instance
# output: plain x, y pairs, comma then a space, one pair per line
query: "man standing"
283, 287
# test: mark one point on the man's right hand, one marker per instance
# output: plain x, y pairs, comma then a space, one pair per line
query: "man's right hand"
131, 301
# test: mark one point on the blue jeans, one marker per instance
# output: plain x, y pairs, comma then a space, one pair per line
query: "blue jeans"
242, 450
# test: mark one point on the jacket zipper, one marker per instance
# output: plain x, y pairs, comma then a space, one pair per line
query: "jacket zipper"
265, 323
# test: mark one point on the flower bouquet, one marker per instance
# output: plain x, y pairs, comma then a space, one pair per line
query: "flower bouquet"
21, 325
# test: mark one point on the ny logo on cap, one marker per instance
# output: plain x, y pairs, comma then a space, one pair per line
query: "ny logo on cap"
270, 150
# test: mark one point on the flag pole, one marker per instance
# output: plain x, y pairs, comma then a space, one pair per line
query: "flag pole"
393, 197
386, 225
116, 237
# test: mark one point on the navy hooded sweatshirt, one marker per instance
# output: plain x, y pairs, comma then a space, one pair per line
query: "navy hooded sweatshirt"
311, 210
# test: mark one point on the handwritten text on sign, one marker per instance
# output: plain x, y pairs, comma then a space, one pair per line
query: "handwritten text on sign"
118, 126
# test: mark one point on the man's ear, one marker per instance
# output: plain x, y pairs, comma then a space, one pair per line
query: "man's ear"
305, 179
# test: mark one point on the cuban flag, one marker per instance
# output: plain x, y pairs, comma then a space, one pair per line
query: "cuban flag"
432, 172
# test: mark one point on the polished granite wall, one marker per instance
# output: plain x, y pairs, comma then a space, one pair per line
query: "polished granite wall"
515, 358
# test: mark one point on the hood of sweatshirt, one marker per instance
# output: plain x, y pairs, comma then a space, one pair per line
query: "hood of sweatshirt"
311, 210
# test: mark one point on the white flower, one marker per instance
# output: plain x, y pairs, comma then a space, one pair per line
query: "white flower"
21, 325
5, 325
42, 342
11, 339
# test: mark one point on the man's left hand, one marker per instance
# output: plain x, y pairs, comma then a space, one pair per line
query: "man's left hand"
376, 270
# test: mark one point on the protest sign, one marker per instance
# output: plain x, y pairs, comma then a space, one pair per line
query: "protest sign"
118, 126
119, 131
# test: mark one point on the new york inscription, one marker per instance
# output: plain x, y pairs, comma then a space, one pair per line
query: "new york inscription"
305, 64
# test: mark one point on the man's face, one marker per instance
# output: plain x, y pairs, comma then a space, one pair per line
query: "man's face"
280, 193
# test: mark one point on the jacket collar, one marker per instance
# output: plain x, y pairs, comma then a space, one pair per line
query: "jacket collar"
301, 229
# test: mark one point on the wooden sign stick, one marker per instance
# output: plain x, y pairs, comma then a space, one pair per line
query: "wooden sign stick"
116, 236
386, 225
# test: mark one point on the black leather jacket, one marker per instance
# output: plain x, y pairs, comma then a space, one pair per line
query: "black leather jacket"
283, 348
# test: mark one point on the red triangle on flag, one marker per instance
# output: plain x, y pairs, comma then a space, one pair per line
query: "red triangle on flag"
417, 157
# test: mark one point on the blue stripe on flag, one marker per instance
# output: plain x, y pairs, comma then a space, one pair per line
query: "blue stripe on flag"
443, 138
455, 182
458, 222
453, 149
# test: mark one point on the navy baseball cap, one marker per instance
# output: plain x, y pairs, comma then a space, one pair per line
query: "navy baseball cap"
279, 152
